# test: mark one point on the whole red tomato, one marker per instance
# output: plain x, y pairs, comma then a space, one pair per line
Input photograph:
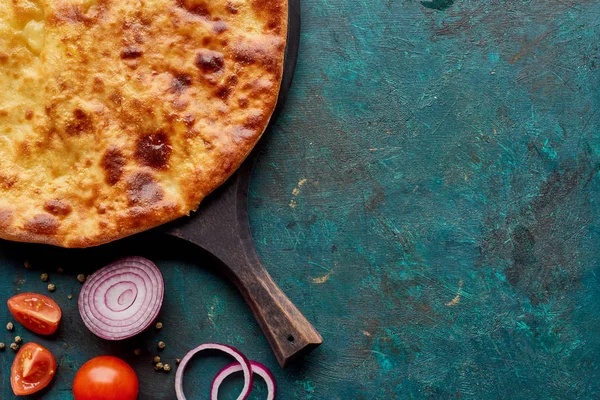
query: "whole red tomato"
105, 378
36, 312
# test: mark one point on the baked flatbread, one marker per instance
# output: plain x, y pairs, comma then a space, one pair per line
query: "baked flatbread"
120, 115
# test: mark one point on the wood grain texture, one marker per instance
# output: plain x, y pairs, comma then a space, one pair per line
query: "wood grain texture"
428, 198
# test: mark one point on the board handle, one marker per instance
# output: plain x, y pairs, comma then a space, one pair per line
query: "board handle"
289, 333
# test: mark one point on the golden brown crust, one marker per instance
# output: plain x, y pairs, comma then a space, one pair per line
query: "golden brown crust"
120, 115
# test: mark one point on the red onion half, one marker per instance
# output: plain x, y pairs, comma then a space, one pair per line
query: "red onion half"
122, 299
241, 359
257, 368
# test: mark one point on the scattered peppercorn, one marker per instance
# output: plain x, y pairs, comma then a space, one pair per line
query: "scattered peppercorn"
44, 277
51, 287
177, 361
18, 339
166, 367
158, 366
159, 325
81, 278
161, 345
2, 346
27, 265
137, 352
70, 296
60, 270
156, 359
14, 346
10, 326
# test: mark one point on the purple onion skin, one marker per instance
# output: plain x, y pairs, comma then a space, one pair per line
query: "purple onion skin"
122, 299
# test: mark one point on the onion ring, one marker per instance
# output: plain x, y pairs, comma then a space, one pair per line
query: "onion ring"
257, 368
241, 359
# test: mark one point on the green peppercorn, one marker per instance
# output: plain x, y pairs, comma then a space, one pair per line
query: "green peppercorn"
159, 325
18, 339
158, 366
137, 352
156, 359
70, 296
27, 265
14, 346
161, 345
44, 277
51, 287
2, 346
177, 361
166, 367
81, 278
10, 326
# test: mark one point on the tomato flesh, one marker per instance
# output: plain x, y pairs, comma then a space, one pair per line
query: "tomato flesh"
35, 312
105, 378
32, 370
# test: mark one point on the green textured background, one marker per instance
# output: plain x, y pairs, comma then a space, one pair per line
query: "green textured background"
429, 199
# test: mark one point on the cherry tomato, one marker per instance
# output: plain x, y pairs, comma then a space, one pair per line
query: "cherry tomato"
36, 312
105, 378
32, 370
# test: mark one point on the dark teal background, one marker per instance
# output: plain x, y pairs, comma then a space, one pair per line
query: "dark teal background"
428, 198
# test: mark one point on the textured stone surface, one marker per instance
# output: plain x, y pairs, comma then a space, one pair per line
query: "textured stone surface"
429, 199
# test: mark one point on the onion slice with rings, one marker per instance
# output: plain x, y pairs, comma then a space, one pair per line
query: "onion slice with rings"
122, 299
257, 368
241, 359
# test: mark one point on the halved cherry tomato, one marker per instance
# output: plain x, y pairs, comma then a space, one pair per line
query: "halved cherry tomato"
105, 378
32, 370
36, 312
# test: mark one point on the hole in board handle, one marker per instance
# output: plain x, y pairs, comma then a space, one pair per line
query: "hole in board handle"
291, 339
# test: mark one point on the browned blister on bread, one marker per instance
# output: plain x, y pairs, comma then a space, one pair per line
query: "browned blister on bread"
120, 115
